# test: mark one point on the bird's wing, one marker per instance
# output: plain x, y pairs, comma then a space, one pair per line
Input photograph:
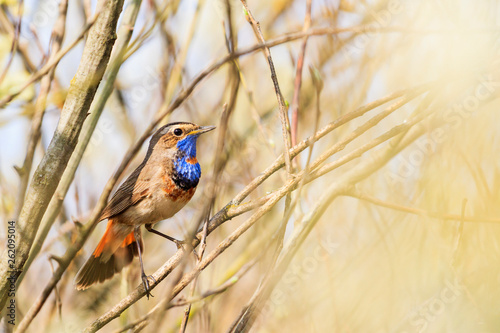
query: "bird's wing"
136, 187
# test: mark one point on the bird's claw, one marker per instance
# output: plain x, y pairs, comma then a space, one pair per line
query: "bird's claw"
145, 282
179, 244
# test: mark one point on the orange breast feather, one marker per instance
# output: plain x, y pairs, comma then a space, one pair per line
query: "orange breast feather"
174, 192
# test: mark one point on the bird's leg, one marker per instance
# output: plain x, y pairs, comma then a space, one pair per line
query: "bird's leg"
178, 243
144, 277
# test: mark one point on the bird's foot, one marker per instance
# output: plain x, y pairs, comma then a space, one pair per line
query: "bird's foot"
179, 243
145, 282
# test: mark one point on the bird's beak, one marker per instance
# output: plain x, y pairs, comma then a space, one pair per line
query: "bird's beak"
201, 130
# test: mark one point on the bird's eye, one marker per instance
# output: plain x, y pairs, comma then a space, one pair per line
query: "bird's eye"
178, 132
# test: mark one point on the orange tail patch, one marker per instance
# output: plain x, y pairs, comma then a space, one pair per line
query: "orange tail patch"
109, 238
128, 240
116, 250
106, 238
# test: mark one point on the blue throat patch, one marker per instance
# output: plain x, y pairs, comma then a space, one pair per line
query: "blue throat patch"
186, 175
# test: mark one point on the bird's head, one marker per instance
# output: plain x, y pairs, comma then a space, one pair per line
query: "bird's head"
180, 136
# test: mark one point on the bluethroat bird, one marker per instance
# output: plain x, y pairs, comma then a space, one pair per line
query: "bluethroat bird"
160, 186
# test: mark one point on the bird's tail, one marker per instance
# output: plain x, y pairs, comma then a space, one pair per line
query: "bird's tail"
116, 250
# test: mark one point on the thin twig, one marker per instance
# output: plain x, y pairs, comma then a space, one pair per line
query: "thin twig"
460, 232
187, 310
285, 124
56, 292
418, 211
175, 77
50, 64
11, 29
199, 257
298, 75
15, 41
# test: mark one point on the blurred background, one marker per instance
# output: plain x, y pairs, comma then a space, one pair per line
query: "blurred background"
415, 247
